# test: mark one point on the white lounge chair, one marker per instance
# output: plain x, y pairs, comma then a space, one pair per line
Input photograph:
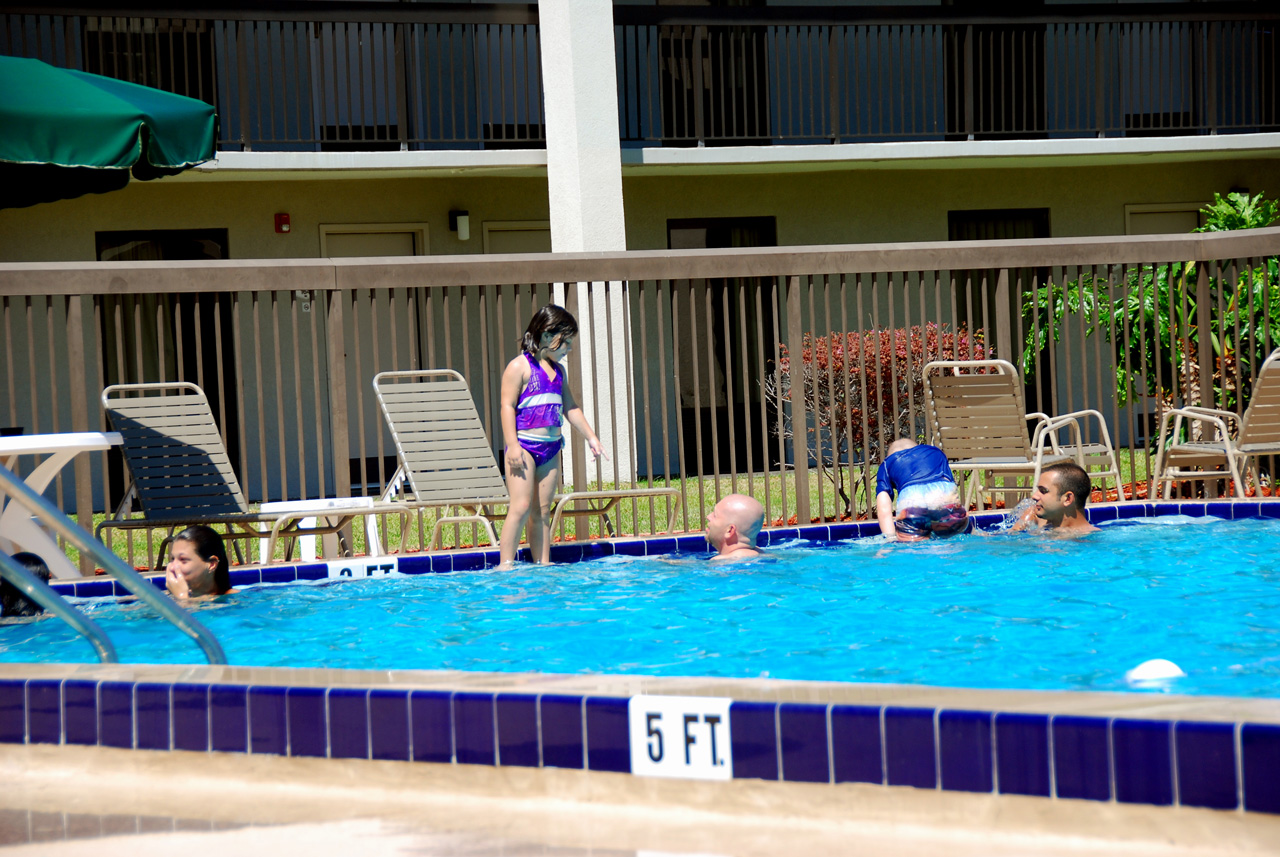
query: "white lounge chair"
446, 462
1236, 440
979, 419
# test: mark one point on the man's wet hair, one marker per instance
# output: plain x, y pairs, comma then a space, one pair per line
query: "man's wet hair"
1069, 476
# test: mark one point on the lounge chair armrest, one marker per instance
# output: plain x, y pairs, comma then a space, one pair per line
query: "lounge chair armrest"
1170, 424
1091, 413
1226, 416
1046, 433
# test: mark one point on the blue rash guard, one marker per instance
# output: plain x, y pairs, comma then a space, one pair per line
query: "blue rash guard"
927, 502
919, 465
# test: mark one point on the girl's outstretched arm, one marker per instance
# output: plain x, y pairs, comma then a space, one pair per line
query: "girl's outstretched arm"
576, 418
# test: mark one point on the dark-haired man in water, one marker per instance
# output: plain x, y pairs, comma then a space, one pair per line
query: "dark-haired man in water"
1060, 497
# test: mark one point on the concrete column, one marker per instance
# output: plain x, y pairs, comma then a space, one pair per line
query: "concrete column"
584, 184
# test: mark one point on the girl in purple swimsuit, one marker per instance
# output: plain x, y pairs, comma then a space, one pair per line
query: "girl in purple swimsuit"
534, 397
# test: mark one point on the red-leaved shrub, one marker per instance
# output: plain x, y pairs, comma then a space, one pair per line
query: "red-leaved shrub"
862, 390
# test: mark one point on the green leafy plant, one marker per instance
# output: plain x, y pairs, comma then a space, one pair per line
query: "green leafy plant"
1238, 211
1150, 316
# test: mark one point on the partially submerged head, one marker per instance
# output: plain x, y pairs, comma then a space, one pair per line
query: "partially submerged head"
1062, 492
200, 557
12, 601
734, 524
551, 327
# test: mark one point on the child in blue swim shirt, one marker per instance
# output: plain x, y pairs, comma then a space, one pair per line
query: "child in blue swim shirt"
927, 499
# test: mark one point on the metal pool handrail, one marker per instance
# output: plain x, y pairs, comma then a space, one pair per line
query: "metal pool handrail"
21, 493
41, 593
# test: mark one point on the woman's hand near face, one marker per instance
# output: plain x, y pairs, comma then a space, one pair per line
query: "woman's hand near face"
175, 583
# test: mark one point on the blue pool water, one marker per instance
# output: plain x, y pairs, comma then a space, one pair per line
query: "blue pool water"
1018, 611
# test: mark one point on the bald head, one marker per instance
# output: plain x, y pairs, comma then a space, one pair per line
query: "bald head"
734, 524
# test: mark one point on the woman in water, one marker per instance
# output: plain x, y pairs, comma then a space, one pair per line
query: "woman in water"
534, 398
198, 565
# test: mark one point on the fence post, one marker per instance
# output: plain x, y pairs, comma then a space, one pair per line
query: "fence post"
338, 428
1204, 331
1005, 346
799, 412
80, 421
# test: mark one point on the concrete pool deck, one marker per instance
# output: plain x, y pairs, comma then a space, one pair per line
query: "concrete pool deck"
273, 806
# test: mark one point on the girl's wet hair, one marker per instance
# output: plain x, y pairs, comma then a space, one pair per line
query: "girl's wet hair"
551, 319
208, 544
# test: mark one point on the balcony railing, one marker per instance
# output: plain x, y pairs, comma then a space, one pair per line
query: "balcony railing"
316, 76
860, 74
291, 76
686, 369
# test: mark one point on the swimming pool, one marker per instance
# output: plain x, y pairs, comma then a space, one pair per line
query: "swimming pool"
1005, 612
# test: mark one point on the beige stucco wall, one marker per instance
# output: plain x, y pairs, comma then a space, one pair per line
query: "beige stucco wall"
65, 230
826, 207
869, 206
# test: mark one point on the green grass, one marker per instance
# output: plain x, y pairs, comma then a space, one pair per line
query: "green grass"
634, 517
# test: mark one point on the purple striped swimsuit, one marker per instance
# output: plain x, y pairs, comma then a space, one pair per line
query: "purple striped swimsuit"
539, 406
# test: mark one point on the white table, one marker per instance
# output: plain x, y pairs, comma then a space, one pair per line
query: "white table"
19, 531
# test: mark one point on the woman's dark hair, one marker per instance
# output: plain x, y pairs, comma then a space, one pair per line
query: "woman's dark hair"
551, 319
12, 600
208, 545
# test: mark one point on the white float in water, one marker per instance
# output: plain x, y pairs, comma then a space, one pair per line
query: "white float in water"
1155, 670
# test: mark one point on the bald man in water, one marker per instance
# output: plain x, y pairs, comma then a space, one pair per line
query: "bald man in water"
733, 525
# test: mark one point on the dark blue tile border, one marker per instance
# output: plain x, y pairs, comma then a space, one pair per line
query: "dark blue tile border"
115, 714
964, 750
13, 711
803, 730
44, 711
753, 732
389, 726
152, 716
308, 721
268, 721
1260, 759
473, 729
191, 708
229, 718
856, 755
517, 721
1081, 758
348, 723
909, 748
561, 721
431, 725
608, 740
79, 712
1143, 755
1022, 754
1206, 772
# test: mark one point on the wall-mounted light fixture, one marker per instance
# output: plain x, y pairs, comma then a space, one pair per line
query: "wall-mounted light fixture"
460, 222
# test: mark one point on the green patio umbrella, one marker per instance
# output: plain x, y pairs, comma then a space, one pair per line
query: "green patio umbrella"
66, 133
